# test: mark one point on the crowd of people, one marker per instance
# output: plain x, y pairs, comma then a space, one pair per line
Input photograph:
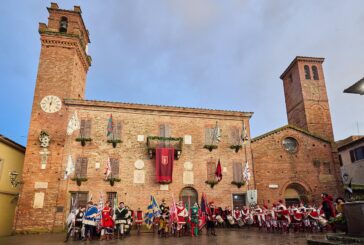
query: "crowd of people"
91, 222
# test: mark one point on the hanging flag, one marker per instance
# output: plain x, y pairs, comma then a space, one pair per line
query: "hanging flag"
218, 172
73, 124
216, 134
203, 211
164, 165
244, 134
110, 127
107, 172
152, 212
70, 167
246, 172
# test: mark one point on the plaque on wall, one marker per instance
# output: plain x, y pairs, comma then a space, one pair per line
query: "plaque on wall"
163, 187
140, 138
188, 166
187, 139
38, 200
41, 185
139, 177
188, 177
139, 164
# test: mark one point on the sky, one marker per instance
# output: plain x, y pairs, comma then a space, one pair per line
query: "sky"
194, 53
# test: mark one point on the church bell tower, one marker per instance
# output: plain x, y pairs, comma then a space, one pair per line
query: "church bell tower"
62, 70
306, 97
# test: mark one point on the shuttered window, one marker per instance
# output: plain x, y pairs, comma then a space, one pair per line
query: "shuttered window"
237, 172
164, 130
234, 136
85, 128
114, 167
209, 135
78, 199
117, 130
211, 168
81, 167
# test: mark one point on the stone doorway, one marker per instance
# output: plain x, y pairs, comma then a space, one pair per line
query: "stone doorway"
189, 195
294, 194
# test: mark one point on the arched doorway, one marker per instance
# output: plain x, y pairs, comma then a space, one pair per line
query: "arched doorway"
294, 194
188, 195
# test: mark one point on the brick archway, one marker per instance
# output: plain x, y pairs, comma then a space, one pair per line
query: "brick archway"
189, 195
300, 190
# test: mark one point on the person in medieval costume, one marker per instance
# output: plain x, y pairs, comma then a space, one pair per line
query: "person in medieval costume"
194, 220
328, 206
90, 221
107, 223
129, 220
237, 216
163, 205
139, 219
181, 216
121, 219
229, 217
74, 223
211, 219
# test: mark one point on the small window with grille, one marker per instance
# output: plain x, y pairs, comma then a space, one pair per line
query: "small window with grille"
112, 198
307, 72
114, 167
237, 172
78, 199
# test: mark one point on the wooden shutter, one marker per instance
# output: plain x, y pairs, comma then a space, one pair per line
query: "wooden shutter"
237, 172
117, 130
235, 136
83, 172
87, 128
211, 168
82, 128
208, 135
114, 167
78, 167
352, 156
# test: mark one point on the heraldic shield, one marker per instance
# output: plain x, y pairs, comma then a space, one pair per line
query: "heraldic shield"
164, 164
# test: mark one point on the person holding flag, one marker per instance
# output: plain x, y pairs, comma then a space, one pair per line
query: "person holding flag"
121, 219
90, 221
181, 216
194, 220
153, 211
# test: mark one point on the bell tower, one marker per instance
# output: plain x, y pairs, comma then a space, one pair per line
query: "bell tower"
62, 70
306, 97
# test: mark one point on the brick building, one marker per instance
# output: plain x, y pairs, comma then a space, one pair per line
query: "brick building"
296, 161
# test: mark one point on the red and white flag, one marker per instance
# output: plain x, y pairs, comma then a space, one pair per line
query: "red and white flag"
218, 172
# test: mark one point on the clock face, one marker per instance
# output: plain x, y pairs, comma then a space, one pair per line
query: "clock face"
51, 104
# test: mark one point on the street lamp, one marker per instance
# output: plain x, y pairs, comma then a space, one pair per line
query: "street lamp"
356, 88
13, 176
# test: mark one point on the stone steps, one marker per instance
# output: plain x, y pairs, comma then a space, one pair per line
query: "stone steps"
337, 238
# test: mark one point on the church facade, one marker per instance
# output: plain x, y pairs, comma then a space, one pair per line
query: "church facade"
72, 139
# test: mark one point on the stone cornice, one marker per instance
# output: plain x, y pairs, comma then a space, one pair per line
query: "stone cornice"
301, 58
157, 108
49, 38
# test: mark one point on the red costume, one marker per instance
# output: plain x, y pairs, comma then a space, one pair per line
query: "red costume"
107, 221
139, 217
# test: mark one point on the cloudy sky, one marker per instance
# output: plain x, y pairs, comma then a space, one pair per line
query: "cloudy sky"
197, 53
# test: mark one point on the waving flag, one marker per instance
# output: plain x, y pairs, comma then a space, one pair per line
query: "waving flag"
246, 172
107, 169
244, 134
73, 124
110, 127
70, 167
218, 172
152, 212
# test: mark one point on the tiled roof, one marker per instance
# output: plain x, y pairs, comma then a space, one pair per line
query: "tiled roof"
12, 143
155, 107
289, 127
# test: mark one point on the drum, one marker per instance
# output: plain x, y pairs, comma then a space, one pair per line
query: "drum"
297, 216
249, 221
322, 221
240, 222
219, 219
89, 222
230, 219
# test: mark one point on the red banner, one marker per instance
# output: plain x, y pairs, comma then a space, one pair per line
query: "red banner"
164, 164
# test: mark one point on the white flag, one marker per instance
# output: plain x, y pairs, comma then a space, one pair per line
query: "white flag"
244, 134
70, 167
73, 124
246, 173
107, 169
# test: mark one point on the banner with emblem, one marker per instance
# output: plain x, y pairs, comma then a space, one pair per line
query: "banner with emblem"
164, 165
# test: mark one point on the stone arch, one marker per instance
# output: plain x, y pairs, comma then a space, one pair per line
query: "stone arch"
189, 195
294, 191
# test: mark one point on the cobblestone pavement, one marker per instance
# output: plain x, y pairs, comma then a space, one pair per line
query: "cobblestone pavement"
243, 236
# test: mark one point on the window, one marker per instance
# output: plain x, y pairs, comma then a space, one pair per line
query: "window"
235, 136
112, 198
237, 172
81, 167
78, 199
357, 154
211, 168
212, 136
85, 129
307, 72
340, 160
290, 144
239, 200
63, 24
114, 167
315, 73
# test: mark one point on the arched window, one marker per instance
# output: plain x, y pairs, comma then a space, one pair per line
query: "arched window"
63, 24
189, 195
307, 72
315, 73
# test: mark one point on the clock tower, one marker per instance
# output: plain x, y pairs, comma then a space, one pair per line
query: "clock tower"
62, 70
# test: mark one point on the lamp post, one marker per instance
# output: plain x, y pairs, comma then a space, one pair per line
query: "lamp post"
356, 88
